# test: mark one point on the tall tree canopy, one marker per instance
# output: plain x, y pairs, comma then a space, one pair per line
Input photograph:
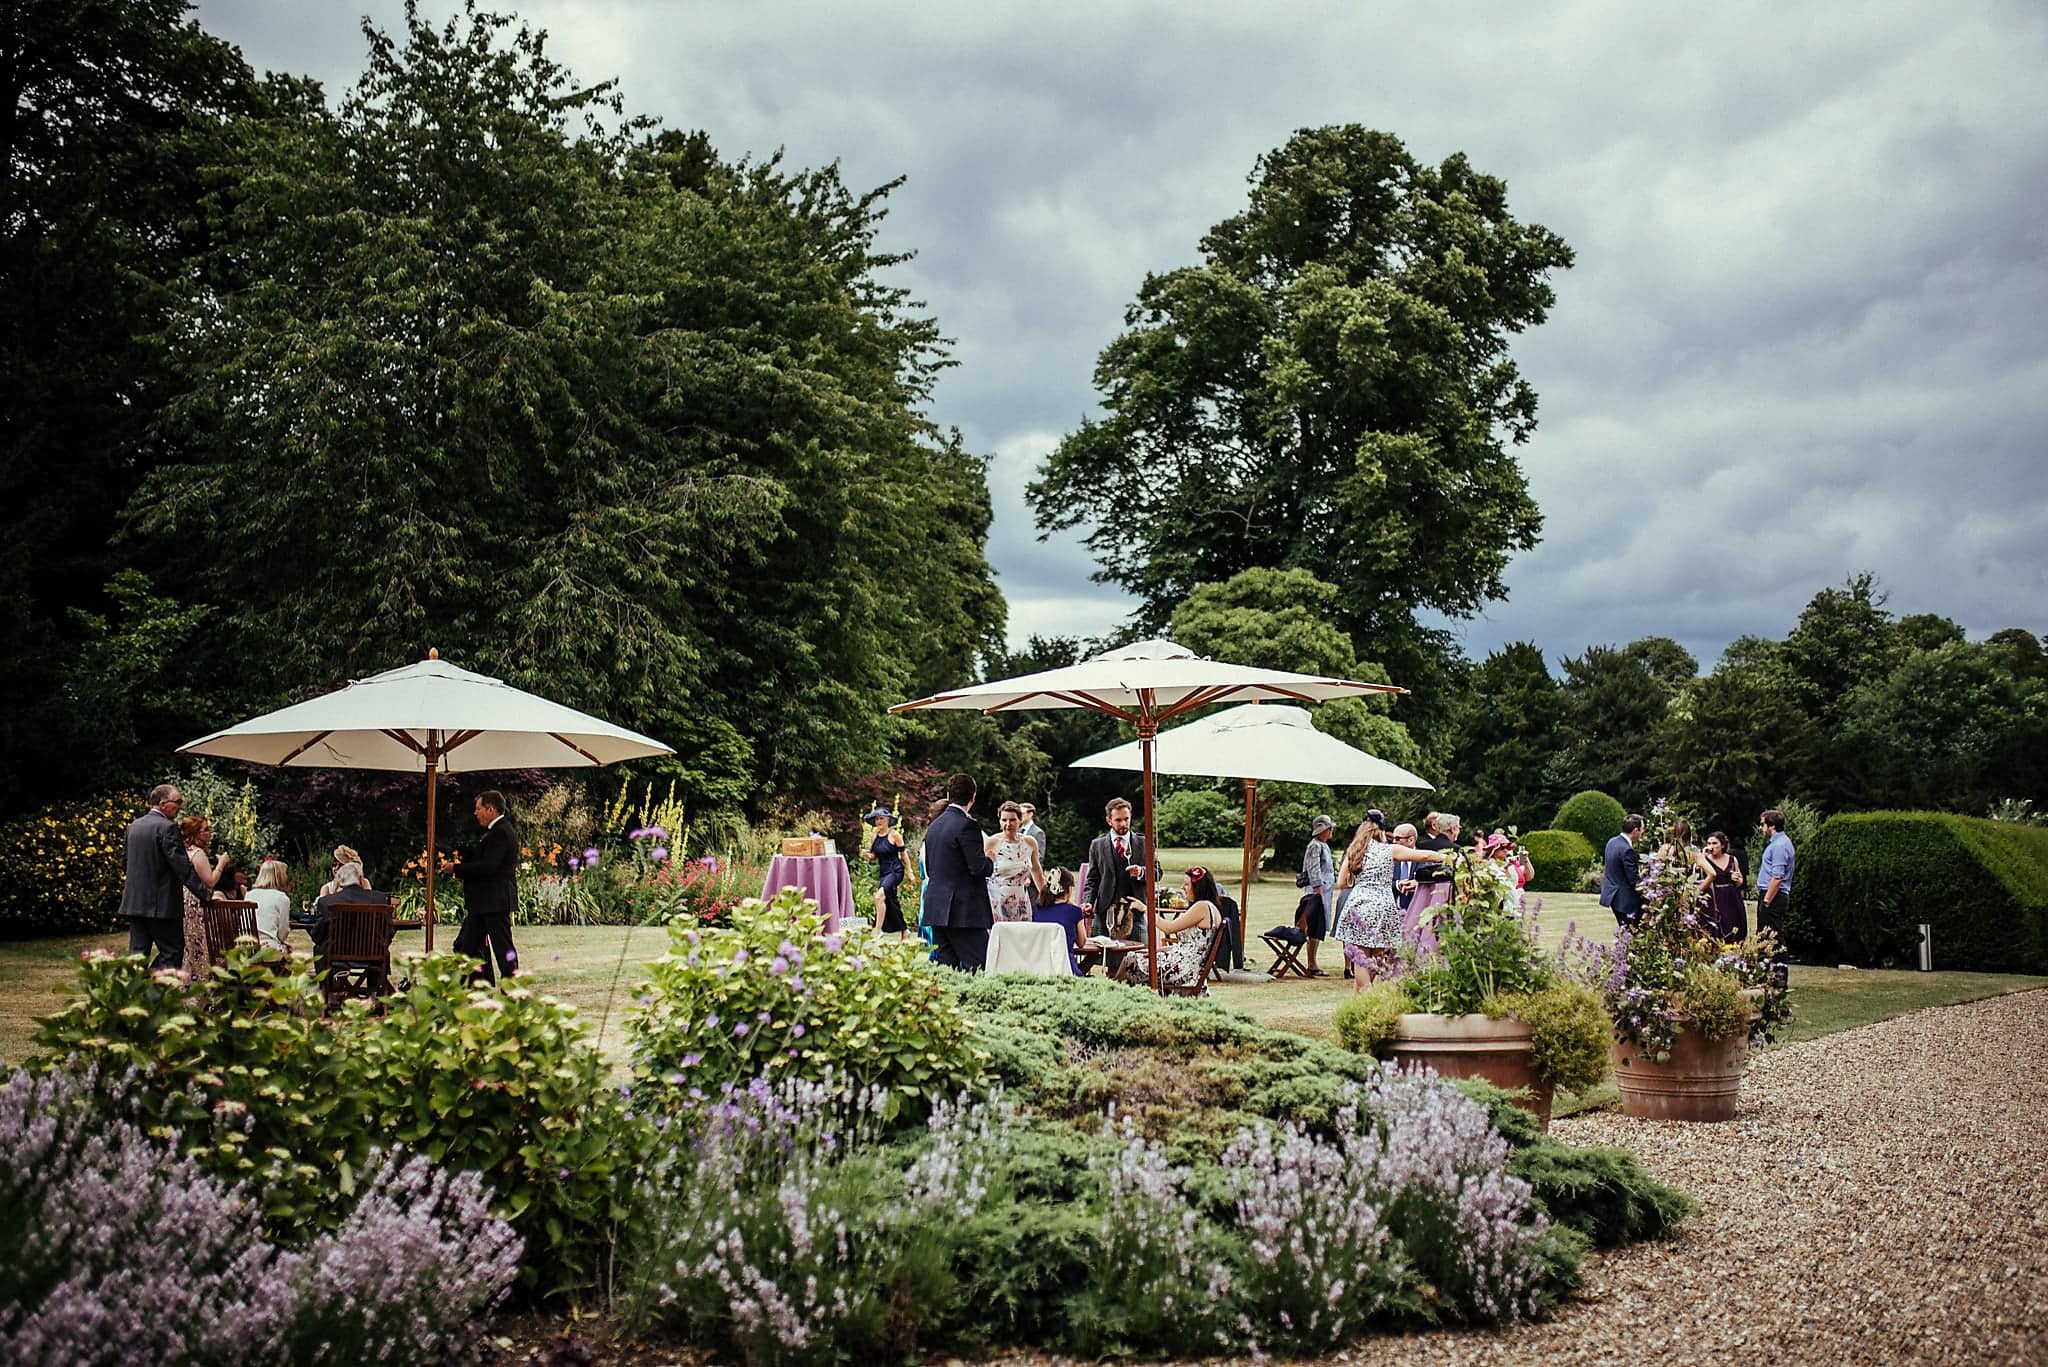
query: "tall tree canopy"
1330, 389
594, 410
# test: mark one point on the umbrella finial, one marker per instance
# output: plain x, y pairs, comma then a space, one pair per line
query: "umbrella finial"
433, 653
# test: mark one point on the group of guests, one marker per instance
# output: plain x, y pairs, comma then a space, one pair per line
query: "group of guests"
1718, 905
172, 875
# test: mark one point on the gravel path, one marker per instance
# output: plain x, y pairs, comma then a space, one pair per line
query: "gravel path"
1881, 1197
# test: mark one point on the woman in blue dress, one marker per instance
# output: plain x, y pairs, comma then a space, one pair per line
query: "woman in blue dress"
887, 851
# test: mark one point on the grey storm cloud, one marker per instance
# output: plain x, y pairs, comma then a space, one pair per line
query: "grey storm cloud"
1807, 332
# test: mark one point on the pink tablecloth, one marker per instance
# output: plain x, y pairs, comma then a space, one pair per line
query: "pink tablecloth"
823, 878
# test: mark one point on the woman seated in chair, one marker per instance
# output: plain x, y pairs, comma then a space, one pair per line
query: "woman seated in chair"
273, 903
1183, 937
1056, 907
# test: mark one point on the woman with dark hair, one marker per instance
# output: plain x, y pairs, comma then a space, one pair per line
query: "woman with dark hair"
1722, 914
1370, 927
1056, 907
1017, 879
1183, 937
886, 849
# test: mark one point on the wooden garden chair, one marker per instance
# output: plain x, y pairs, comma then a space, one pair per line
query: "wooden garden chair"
227, 922
1200, 986
358, 952
1286, 943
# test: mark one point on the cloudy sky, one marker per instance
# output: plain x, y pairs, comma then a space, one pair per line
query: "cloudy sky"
1807, 332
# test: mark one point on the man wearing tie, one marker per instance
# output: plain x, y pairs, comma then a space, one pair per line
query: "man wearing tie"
1621, 870
1116, 871
956, 874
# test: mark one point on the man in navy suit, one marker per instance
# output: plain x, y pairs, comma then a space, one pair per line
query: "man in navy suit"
956, 874
1621, 872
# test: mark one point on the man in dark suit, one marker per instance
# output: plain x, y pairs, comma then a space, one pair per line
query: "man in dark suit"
159, 870
956, 874
1621, 871
490, 891
1116, 871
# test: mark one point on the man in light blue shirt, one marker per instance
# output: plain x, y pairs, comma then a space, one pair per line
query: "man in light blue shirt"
1774, 882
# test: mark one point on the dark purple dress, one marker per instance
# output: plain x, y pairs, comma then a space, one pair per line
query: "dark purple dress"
1723, 915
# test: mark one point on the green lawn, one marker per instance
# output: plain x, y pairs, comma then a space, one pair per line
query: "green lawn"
600, 969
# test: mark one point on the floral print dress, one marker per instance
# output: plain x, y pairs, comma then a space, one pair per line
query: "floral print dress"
1180, 963
1009, 891
1371, 920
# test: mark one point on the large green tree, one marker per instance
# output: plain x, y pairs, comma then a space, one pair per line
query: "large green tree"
108, 113
1329, 389
1508, 727
1740, 738
1615, 700
583, 406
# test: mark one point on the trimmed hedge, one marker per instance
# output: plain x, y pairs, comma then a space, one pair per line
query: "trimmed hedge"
1560, 858
1593, 815
1869, 879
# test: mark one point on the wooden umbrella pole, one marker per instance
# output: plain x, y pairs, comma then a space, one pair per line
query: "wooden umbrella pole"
433, 765
1244, 883
1148, 729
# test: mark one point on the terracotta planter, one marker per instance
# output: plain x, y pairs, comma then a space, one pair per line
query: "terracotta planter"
1473, 1046
1702, 1080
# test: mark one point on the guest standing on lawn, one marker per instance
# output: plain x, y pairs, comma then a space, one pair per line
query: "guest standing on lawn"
1724, 916
957, 868
159, 878
197, 834
1033, 832
1013, 889
886, 849
1369, 927
1116, 875
1774, 883
1621, 871
490, 891
1313, 918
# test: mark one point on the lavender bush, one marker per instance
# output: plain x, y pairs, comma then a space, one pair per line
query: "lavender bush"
785, 1227
121, 1252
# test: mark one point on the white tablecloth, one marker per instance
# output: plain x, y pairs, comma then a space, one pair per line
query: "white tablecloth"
1035, 947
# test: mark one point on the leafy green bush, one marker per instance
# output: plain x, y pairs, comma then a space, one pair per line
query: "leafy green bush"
1365, 1022
1593, 815
61, 867
773, 995
1200, 819
1560, 857
254, 1086
1870, 878
1569, 1032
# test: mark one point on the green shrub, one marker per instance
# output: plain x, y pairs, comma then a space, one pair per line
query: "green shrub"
61, 868
1593, 815
1560, 858
1200, 819
773, 995
1569, 1031
251, 1083
1365, 1022
1869, 879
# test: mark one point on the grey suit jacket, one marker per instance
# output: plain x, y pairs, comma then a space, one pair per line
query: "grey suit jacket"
158, 870
1108, 883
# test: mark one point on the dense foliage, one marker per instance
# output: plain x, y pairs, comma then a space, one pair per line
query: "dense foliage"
121, 1251
61, 867
1868, 881
1561, 859
255, 1087
774, 995
1594, 815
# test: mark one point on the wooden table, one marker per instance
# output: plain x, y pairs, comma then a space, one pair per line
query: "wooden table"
1110, 955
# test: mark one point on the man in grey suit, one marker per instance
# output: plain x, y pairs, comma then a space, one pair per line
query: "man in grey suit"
1621, 870
1116, 872
956, 874
159, 870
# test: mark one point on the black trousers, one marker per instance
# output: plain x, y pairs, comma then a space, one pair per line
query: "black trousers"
166, 933
1771, 916
488, 938
961, 948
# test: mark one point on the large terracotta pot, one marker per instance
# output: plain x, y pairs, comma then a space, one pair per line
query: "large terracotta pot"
1474, 1046
1702, 1080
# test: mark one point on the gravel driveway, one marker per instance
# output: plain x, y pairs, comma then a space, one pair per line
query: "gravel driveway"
1881, 1197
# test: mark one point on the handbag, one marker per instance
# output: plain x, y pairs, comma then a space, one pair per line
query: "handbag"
1301, 880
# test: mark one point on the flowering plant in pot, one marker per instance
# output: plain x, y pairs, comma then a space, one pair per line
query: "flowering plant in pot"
1484, 1000
1685, 1005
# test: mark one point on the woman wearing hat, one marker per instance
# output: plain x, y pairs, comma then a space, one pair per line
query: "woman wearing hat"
886, 849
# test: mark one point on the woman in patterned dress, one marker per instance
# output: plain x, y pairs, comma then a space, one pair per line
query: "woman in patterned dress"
197, 834
1018, 879
1183, 937
1370, 928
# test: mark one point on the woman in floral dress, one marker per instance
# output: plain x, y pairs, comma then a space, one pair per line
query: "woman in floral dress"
1183, 937
1370, 928
1018, 879
197, 834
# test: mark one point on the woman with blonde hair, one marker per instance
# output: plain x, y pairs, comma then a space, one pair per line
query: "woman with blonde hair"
273, 903
343, 854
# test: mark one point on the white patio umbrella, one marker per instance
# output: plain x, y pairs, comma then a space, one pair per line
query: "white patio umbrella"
1255, 742
430, 718
1146, 684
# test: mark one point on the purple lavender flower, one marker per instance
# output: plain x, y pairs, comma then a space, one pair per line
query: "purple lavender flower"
658, 853
590, 856
778, 965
